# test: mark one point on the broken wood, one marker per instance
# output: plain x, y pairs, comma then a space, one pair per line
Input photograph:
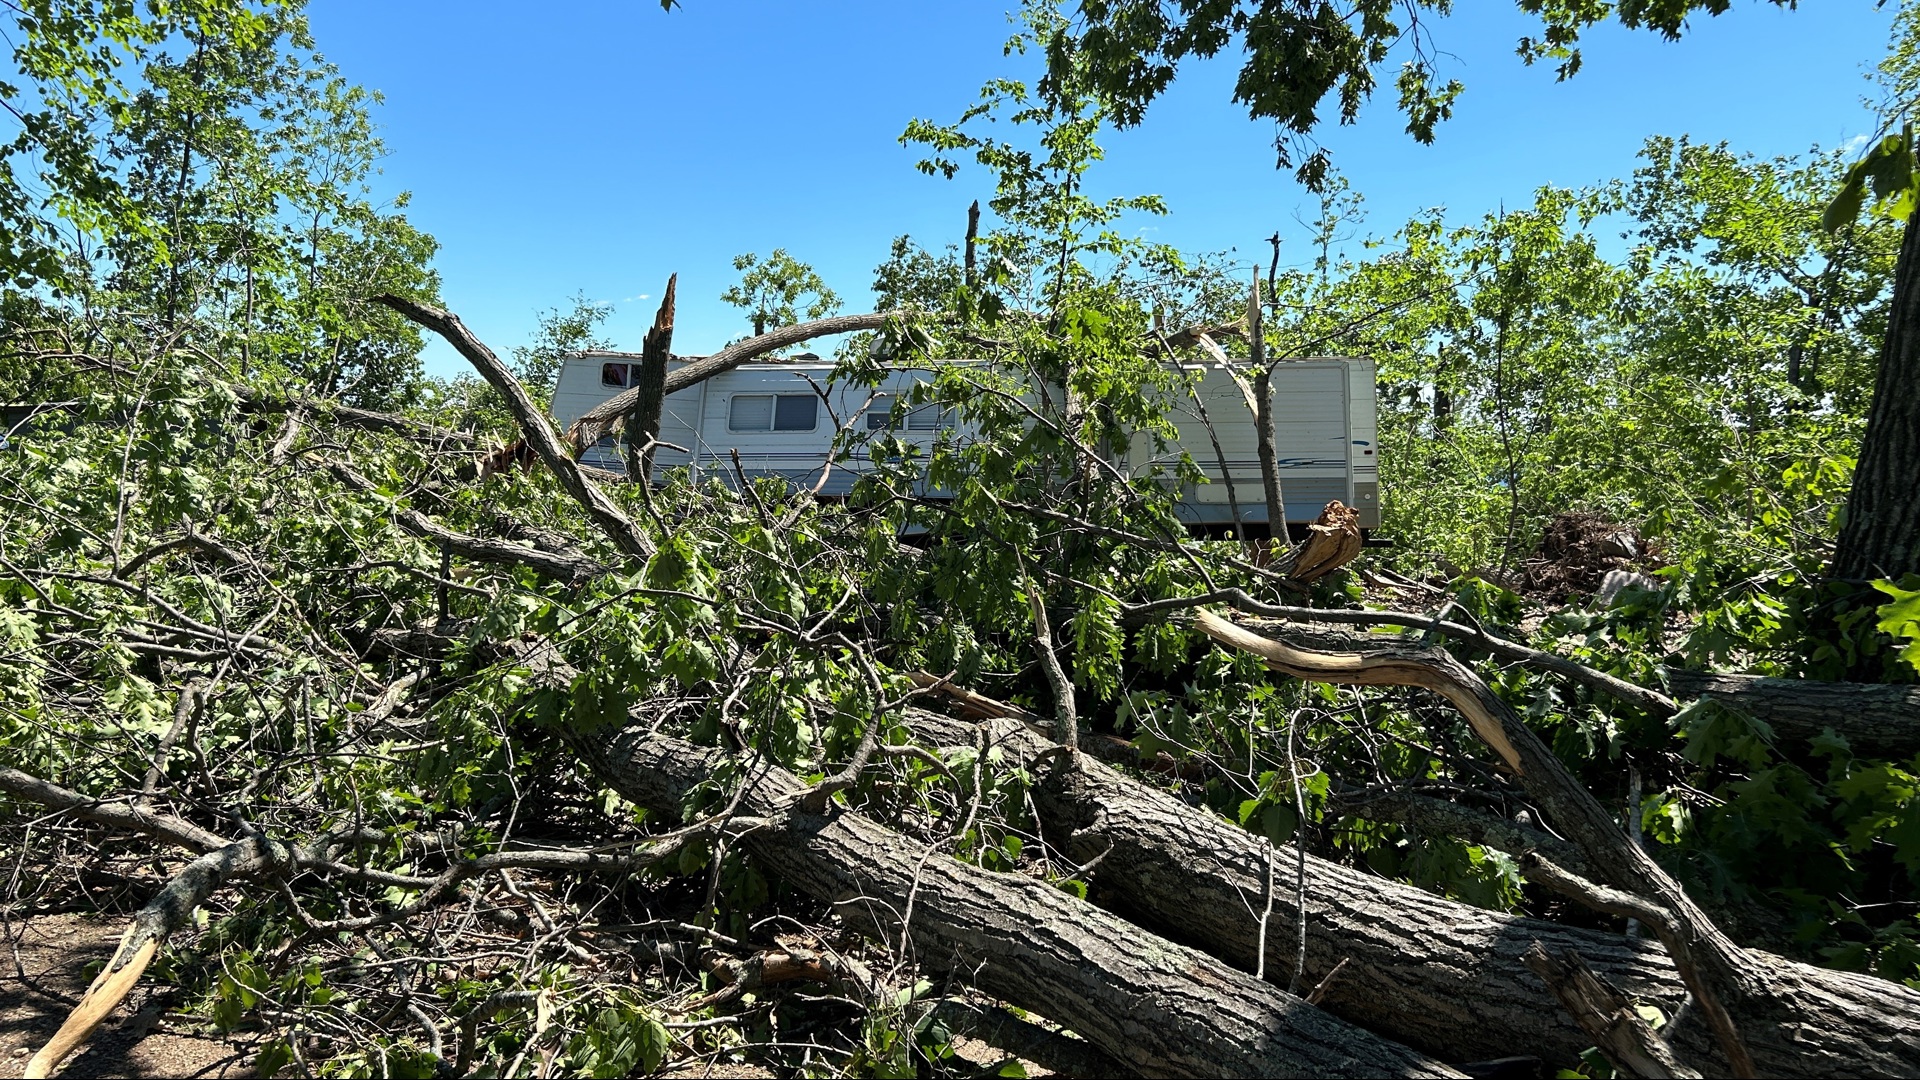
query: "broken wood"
1606, 1015
650, 389
1333, 541
1653, 702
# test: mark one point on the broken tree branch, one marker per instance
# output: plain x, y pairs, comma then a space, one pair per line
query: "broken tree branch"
1655, 703
533, 426
1714, 968
1605, 1014
560, 565
650, 389
601, 419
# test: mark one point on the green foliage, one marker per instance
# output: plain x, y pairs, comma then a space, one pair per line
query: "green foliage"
203, 166
557, 333
1299, 53
181, 556
779, 290
1900, 617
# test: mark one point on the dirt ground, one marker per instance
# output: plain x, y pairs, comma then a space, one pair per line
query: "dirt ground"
42, 964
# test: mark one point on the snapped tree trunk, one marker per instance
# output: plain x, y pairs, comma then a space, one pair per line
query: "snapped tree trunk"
1160, 1008
643, 420
1263, 422
1881, 537
1436, 974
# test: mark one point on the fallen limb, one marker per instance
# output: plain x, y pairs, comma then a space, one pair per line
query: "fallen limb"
621, 529
1655, 703
1434, 973
1159, 1008
561, 565
1475, 826
1606, 1015
253, 400
165, 913
602, 418
161, 826
1716, 971
1873, 718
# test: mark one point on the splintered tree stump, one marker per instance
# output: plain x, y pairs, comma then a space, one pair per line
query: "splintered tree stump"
1333, 541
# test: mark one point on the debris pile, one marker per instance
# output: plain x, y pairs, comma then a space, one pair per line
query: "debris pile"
1580, 552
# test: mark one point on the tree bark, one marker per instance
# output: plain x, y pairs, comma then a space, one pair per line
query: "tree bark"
1720, 974
1159, 1008
650, 389
1606, 1015
1881, 537
1436, 974
973, 237
1873, 717
1263, 422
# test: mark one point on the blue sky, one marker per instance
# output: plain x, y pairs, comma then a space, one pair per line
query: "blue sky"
596, 147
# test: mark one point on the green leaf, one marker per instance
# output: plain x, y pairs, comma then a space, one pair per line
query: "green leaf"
274, 1056
1901, 618
1845, 207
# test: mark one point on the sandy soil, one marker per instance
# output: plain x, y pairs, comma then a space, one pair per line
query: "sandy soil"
41, 976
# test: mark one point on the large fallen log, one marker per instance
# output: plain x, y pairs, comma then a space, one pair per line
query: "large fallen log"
1439, 975
1160, 1008
1872, 717
1720, 975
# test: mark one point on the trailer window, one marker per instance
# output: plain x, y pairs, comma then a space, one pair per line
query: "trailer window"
924, 418
773, 412
613, 375
928, 418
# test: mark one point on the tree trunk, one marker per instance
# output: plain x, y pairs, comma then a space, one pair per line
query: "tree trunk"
643, 419
1160, 1008
1436, 974
1263, 422
1881, 537
973, 237
1875, 718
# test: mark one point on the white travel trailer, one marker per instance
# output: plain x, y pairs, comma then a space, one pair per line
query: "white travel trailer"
772, 414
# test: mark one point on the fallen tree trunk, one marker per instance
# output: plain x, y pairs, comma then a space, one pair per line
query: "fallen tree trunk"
1160, 1008
1443, 976
1718, 973
1872, 717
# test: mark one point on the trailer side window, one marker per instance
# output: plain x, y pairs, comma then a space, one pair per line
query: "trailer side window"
773, 412
613, 375
929, 418
796, 412
925, 418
